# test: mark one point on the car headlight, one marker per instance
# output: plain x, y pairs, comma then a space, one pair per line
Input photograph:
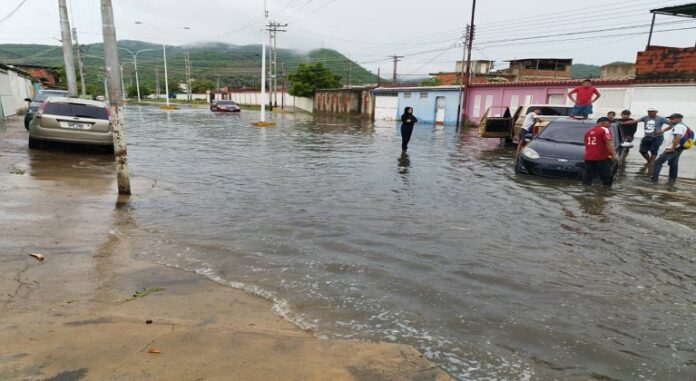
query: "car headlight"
530, 153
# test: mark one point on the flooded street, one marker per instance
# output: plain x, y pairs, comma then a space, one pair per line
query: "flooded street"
492, 275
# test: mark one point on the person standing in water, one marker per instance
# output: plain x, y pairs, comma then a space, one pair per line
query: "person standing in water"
407, 122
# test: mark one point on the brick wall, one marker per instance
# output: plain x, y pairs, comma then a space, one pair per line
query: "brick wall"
659, 62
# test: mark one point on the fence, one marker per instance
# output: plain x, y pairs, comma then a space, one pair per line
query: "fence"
251, 98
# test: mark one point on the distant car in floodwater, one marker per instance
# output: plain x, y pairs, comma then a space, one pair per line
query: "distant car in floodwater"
225, 106
558, 150
34, 103
71, 120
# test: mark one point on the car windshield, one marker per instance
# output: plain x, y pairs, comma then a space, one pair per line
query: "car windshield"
565, 133
43, 95
226, 103
77, 110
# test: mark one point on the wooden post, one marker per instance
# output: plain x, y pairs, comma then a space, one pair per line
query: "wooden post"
115, 91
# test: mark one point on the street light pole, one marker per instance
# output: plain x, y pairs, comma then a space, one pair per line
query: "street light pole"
135, 65
164, 55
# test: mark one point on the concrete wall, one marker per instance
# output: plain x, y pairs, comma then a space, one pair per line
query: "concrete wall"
13, 89
667, 99
344, 101
183, 97
251, 98
618, 71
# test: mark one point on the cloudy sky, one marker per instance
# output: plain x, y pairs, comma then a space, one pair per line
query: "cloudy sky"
426, 32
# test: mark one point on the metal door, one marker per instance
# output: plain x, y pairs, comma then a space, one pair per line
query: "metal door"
440, 104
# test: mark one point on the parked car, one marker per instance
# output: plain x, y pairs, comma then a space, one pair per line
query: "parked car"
71, 120
225, 106
508, 126
558, 150
34, 104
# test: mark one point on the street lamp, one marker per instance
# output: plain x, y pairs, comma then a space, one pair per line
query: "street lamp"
164, 53
135, 64
123, 87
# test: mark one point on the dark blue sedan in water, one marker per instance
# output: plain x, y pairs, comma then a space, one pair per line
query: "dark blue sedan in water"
557, 151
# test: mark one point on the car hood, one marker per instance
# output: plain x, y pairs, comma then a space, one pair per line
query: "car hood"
557, 150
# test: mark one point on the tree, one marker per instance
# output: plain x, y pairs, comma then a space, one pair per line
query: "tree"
200, 86
309, 77
433, 81
133, 91
174, 86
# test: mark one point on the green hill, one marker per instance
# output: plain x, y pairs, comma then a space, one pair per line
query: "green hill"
228, 65
578, 71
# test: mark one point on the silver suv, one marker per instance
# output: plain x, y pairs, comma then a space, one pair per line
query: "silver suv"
71, 120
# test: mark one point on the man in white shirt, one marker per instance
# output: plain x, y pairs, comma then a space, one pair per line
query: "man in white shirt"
527, 130
672, 153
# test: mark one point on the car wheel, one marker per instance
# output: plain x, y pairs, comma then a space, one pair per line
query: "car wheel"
519, 169
33, 143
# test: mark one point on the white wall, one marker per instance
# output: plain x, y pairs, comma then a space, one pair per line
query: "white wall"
13, 89
254, 99
183, 97
667, 100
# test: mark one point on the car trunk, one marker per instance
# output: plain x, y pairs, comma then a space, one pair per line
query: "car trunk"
498, 127
75, 116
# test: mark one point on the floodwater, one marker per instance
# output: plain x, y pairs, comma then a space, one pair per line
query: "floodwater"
492, 275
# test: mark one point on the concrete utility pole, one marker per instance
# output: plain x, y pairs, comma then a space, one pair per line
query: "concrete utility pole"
350, 74
262, 122
274, 28
379, 78
467, 76
187, 63
396, 60
157, 84
67, 48
112, 74
83, 90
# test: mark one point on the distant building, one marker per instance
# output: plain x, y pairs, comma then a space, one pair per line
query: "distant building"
46, 76
532, 69
481, 72
431, 104
618, 71
15, 86
350, 100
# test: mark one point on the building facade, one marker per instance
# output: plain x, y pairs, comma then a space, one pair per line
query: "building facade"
15, 86
432, 105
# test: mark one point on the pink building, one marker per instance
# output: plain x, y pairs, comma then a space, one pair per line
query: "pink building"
499, 96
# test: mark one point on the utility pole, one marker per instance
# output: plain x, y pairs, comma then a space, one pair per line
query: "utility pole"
467, 76
379, 78
396, 60
262, 122
461, 77
157, 84
67, 48
187, 62
284, 89
274, 28
123, 88
83, 90
112, 74
350, 74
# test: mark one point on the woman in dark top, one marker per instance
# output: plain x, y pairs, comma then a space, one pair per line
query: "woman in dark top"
407, 122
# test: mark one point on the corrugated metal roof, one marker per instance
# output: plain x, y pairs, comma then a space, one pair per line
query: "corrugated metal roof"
684, 10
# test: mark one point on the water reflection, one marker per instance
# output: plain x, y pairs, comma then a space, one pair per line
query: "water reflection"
404, 163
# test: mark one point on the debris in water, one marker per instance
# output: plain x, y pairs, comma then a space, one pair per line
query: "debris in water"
38, 256
145, 292
155, 351
148, 321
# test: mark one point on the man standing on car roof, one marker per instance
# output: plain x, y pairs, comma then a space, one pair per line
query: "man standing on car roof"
585, 96
527, 130
672, 153
651, 142
599, 153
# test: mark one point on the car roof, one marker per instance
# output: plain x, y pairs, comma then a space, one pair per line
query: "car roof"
57, 91
86, 102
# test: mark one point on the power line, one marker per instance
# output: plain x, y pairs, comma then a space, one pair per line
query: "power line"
12, 12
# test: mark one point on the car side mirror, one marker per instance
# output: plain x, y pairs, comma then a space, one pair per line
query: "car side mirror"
27, 100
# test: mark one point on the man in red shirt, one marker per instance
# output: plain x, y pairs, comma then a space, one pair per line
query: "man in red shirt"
584, 98
599, 153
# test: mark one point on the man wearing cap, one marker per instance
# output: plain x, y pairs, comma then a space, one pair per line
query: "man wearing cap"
651, 142
671, 153
599, 153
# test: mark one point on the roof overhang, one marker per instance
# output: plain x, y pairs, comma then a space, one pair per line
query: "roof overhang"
685, 10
